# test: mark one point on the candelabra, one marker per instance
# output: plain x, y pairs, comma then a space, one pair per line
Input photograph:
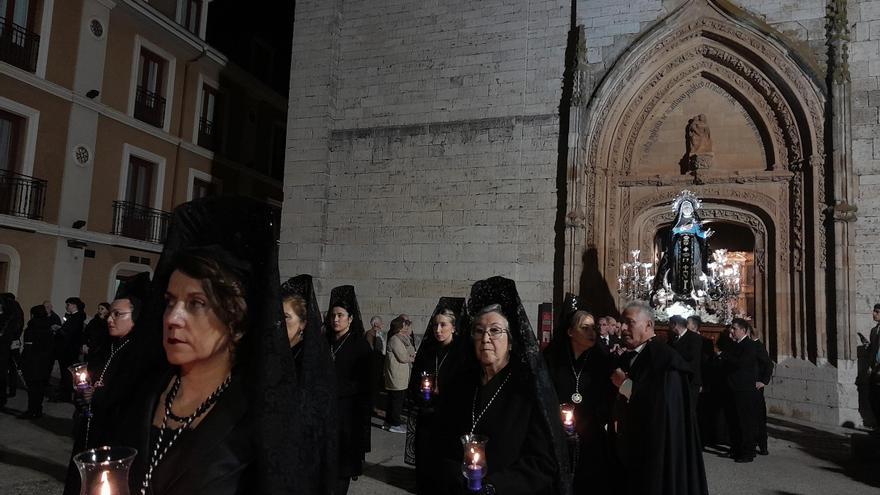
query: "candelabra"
724, 284
635, 279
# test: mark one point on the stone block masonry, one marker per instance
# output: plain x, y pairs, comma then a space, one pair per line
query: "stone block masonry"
423, 148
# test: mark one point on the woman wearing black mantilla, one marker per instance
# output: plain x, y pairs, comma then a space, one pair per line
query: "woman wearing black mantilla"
506, 395
441, 355
580, 372
220, 421
351, 359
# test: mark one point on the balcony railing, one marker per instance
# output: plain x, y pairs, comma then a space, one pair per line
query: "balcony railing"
140, 222
149, 107
18, 46
21, 195
207, 134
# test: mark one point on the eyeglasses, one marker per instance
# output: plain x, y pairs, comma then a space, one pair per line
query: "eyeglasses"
116, 314
495, 333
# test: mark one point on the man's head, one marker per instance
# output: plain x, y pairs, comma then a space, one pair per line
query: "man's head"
376, 323
739, 329
877, 313
638, 324
677, 324
693, 323
48, 305
74, 305
604, 326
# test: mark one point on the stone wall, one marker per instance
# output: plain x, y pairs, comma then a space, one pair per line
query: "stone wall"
423, 142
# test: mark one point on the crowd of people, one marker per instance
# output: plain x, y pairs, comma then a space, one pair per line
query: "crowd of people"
228, 381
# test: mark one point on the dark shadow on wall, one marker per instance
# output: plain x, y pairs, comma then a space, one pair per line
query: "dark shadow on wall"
593, 290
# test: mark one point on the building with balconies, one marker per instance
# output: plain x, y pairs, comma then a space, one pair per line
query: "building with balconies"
112, 112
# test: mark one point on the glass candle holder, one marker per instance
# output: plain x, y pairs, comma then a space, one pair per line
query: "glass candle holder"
104, 470
473, 465
567, 413
80, 372
427, 385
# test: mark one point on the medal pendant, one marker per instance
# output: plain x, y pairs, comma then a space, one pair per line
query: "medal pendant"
577, 398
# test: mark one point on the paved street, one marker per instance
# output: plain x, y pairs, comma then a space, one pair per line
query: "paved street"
803, 461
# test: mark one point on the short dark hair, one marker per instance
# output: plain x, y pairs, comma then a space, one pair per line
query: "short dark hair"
224, 290
877, 307
696, 319
80, 306
676, 320
742, 323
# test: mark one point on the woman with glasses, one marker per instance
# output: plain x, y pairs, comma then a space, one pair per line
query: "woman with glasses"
580, 371
506, 396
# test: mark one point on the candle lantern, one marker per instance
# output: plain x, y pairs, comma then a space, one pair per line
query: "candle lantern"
473, 465
80, 372
104, 470
427, 385
567, 412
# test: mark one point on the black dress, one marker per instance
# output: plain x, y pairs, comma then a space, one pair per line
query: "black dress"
594, 468
217, 457
519, 452
351, 356
36, 361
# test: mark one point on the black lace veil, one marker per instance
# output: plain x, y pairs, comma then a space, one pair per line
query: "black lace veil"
315, 434
345, 297
502, 291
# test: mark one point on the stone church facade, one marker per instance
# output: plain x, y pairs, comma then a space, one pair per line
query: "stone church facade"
431, 144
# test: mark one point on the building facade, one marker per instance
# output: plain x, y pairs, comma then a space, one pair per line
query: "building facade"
111, 114
432, 145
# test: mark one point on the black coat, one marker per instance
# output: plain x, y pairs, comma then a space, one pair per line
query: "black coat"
690, 347
592, 415
352, 364
657, 437
764, 370
740, 365
97, 337
70, 336
36, 355
519, 452
218, 457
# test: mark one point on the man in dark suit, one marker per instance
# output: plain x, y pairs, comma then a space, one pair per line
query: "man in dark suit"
764, 372
739, 365
689, 346
657, 435
874, 368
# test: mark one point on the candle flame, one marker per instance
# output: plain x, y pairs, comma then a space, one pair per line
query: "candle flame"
476, 458
83, 377
105, 483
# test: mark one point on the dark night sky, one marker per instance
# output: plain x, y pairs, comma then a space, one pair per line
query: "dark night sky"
238, 29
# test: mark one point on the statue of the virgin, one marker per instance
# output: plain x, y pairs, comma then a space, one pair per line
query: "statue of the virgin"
684, 264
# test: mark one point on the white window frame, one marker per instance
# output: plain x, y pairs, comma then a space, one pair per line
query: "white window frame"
32, 126
45, 35
203, 81
203, 16
12, 276
124, 266
198, 174
170, 60
128, 151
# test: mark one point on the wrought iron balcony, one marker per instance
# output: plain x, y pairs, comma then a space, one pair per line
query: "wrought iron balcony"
18, 46
22, 195
140, 222
207, 134
149, 107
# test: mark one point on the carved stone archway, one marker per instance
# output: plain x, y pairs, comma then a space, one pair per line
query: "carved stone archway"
707, 54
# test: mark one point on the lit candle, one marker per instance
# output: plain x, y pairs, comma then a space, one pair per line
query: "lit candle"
426, 386
475, 472
567, 411
105, 484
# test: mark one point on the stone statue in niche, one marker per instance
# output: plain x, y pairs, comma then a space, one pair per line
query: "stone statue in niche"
698, 152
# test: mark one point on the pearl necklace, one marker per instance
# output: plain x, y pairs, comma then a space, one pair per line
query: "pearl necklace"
156, 456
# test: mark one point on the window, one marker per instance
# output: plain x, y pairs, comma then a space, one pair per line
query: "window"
202, 189
208, 117
10, 141
139, 189
202, 184
18, 44
149, 102
191, 15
